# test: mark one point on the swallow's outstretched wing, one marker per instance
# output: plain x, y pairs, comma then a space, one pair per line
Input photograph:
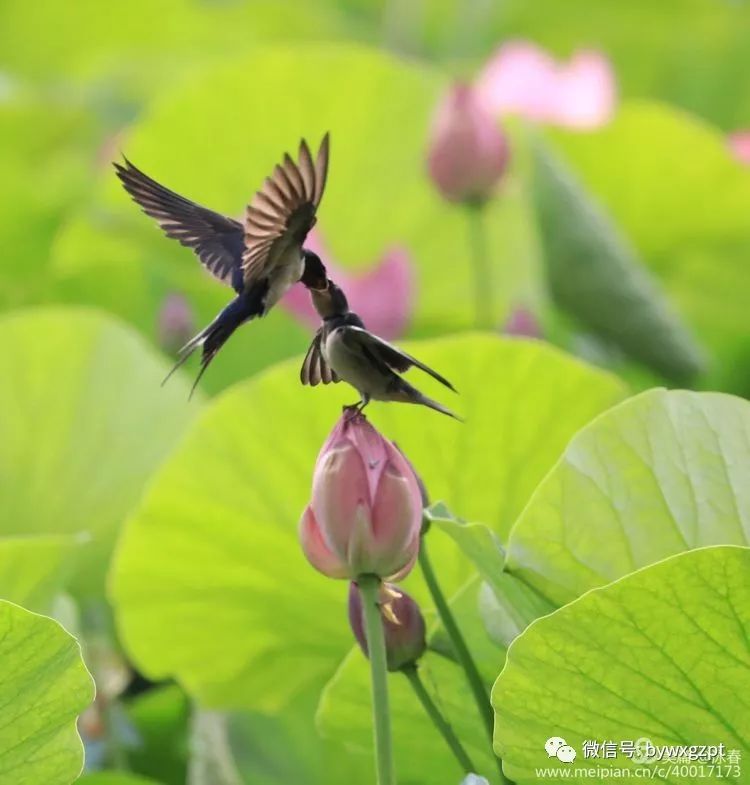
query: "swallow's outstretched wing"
217, 240
314, 367
387, 356
281, 214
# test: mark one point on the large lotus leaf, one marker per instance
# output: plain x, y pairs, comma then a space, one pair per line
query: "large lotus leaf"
378, 115
661, 473
662, 654
210, 585
682, 200
44, 686
33, 569
44, 174
421, 755
84, 423
85, 39
284, 748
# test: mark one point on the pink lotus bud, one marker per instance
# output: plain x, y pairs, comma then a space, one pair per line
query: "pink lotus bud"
382, 295
403, 625
739, 144
523, 323
176, 324
366, 508
468, 151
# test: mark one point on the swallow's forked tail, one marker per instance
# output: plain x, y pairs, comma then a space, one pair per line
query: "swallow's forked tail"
438, 407
213, 337
409, 394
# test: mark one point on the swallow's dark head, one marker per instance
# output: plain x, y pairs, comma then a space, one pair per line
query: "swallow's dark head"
314, 275
330, 301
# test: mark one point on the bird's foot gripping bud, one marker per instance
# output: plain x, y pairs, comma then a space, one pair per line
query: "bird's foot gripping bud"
403, 625
352, 411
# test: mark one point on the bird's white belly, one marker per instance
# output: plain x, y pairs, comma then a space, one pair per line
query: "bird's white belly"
353, 367
287, 272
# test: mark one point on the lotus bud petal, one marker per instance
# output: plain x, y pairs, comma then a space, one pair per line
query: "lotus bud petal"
365, 512
468, 152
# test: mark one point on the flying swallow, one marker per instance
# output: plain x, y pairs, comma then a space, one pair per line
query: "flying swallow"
259, 258
343, 350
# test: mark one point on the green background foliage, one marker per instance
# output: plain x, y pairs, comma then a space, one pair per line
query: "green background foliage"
162, 533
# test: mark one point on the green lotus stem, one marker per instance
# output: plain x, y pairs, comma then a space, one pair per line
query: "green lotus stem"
369, 586
446, 731
476, 685
483, 300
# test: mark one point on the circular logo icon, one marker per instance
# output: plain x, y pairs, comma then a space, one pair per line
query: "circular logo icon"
645, 752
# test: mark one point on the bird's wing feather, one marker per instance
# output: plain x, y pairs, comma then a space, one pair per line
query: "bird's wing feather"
282, 213
218, 241
314, 367
395, 359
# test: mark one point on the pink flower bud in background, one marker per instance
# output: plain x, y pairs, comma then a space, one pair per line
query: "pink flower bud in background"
468, 152
176, 323
383, 295
523, 79
403, 625
365, 513
739, 144
523, 323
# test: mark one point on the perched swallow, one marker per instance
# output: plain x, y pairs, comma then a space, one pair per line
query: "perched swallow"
260, 258
343, 350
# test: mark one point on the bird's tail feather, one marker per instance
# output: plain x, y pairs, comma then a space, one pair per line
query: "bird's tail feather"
409, 394
213, 337
438, 407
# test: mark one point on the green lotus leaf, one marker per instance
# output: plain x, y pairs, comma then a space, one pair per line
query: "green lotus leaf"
33, 569
44, 686
662, 654
84, 425
663, 472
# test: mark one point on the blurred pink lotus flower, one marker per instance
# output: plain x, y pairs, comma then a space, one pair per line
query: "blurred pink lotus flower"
366, 508
382, 296
523, 323
522, 79
403, 625
739, 144
468, 152
176, 323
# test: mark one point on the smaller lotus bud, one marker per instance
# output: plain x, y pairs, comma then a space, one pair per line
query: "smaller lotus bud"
403, 625
366, 508
176, 324
468, 152
523, 323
